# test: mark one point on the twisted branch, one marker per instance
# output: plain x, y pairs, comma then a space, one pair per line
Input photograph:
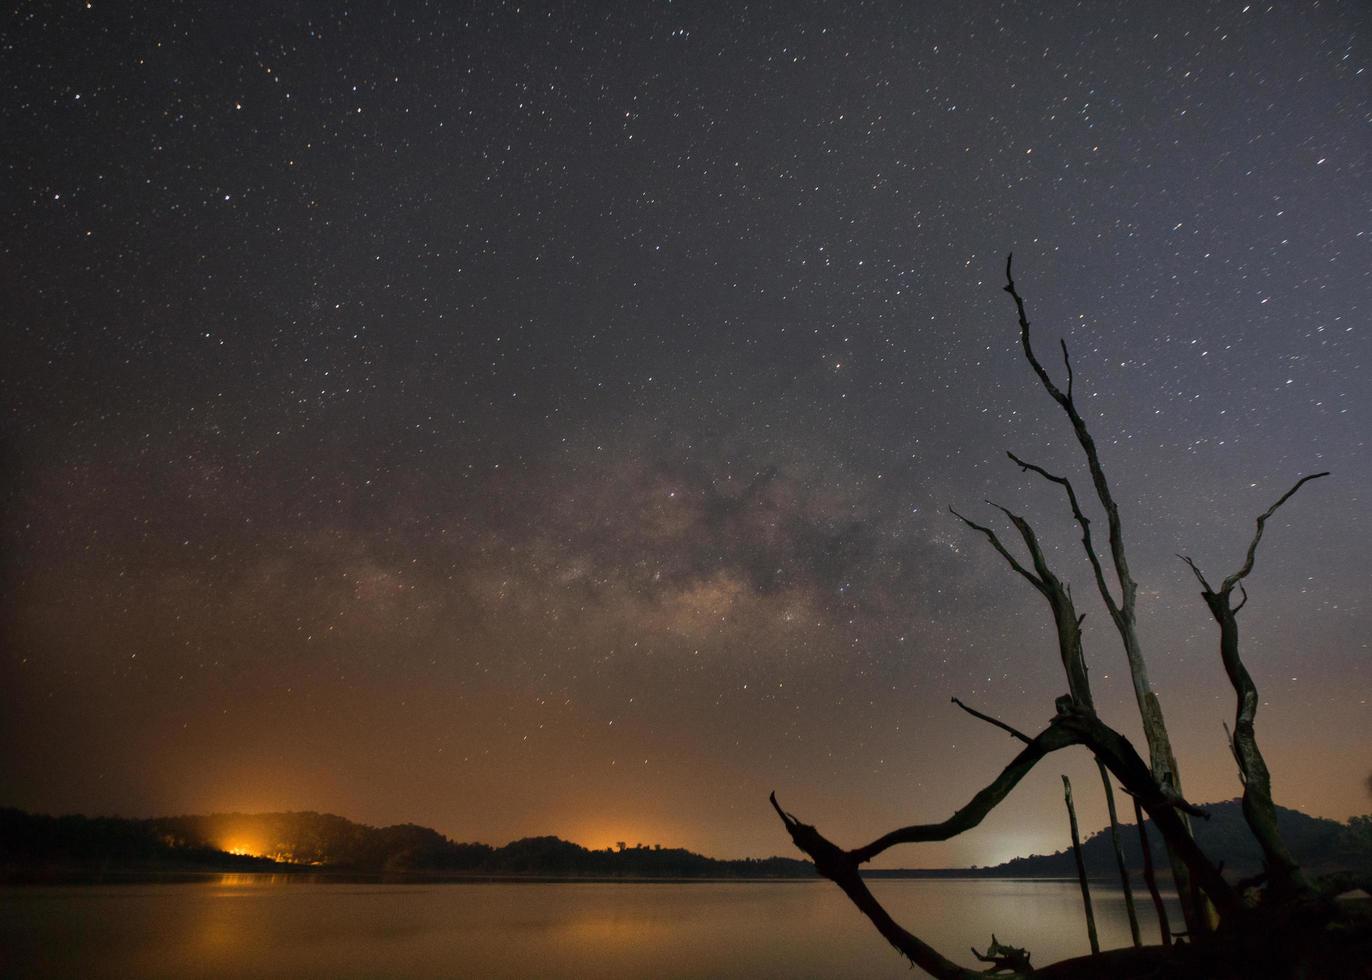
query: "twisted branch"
1284, 874
1068, 728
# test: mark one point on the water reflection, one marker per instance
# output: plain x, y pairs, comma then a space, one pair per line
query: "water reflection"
282, 926
258, 881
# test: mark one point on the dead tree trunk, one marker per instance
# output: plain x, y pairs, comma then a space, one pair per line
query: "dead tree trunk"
1283, 873
1150, 877
1081, 866
1125, 886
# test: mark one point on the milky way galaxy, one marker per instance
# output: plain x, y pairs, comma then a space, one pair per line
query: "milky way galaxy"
543, 418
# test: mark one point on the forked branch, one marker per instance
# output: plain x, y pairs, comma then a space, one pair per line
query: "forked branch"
1242, 573
1066, 729
1122, 610
1084, 523
992, 537
1070, 728
1128, 588
833, 863
1059, 596
1283, 873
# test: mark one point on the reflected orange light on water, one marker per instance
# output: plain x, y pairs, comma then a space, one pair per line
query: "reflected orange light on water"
605, 932
252, 880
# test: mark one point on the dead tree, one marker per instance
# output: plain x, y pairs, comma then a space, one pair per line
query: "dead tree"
1283, 873
1154, 785
1162, 761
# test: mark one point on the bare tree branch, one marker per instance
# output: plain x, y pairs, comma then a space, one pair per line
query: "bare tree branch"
1200, 576
1154, 786
1161, 758
1000, 548
1083, 522
1127, 586
994, 721
1081, 867
1059, 597
1242, 573
1051, 739
1031, 541
1115, 752
1150, 878
1118, 848
1066, 363
1284, 874
834, 864
1068, 626
1072, 728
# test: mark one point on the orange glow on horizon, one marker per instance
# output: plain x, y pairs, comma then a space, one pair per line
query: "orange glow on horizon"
248, 847
241, 848
598, 838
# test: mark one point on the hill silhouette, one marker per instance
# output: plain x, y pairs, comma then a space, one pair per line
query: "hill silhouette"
1318, 843
33, 845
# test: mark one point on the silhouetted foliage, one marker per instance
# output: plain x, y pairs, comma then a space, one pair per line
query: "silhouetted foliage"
30, 843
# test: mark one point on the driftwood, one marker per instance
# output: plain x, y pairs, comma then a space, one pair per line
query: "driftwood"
1003, 958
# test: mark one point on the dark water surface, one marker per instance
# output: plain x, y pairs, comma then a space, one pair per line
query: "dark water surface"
260, 926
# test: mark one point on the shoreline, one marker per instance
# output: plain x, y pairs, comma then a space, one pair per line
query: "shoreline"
126, 876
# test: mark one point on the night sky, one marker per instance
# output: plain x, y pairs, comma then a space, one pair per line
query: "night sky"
541, 419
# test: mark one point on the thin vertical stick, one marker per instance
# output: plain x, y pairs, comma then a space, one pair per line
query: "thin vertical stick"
1119, 856
1081, 866
1150, 878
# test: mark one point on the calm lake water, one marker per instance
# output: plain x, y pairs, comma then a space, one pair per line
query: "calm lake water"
257, 926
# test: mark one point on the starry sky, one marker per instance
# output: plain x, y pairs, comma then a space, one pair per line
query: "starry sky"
542, 418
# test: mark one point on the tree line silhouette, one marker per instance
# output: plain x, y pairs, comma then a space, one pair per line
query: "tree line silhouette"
316, 842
